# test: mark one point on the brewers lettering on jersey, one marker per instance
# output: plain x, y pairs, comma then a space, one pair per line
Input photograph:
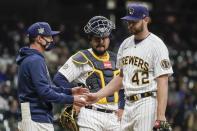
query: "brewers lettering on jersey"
145, 67
134, 60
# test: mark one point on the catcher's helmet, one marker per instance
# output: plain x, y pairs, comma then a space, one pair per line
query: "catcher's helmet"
99, 26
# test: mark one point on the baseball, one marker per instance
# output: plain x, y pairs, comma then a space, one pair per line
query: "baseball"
82, 98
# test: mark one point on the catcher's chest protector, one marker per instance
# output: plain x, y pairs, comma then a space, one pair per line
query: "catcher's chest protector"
103, 73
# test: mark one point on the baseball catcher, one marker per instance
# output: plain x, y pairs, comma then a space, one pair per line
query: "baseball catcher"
95, 68
67, 119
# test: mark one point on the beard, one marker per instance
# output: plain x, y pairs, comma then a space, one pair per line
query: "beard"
98, 52
136, 31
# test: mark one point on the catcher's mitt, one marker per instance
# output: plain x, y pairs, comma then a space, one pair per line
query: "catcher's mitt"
162, 126
67, 119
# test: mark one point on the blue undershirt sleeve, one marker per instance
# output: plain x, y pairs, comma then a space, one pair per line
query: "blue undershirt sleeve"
121, 102
61, 80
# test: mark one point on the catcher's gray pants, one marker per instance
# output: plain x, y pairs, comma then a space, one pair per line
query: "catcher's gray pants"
28, 125
91, 120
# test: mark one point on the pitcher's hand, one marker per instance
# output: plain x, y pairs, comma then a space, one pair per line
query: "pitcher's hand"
91, 98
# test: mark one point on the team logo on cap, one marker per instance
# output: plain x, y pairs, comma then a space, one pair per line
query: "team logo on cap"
131, 11
41, 30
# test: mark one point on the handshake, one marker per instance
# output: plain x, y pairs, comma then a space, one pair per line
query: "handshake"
83, 97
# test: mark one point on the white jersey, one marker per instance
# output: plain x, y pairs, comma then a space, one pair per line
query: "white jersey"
142, 63
79, 74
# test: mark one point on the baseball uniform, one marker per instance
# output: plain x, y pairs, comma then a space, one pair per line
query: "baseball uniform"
141, 64
94, 73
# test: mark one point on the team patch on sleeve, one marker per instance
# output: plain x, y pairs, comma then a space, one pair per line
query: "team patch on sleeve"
65, 66
165, 64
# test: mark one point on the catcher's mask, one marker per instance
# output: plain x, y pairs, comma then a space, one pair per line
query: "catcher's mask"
99, 26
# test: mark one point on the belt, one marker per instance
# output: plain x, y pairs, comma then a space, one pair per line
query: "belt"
140, 96
99, 109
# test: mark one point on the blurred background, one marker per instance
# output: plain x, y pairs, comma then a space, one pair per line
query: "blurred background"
173, 21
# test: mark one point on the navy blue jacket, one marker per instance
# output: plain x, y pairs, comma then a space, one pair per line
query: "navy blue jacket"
35, 86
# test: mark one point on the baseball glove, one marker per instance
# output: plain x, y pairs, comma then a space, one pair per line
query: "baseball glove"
67, 119
162, 126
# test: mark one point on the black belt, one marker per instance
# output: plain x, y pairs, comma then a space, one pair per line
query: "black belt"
140, 96
99, 109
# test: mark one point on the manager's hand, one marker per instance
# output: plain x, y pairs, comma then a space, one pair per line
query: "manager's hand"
79, 100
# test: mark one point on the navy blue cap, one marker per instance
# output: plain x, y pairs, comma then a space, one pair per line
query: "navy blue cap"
136, 12
41, 28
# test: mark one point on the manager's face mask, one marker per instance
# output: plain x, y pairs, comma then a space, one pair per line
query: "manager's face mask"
49, 44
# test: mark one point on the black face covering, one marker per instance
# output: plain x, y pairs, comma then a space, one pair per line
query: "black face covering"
49, 45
